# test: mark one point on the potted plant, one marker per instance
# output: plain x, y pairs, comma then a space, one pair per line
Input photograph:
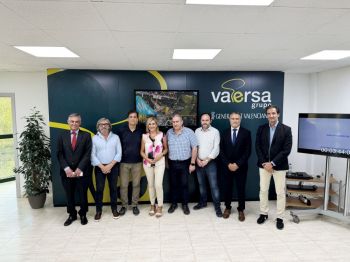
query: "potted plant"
35, 159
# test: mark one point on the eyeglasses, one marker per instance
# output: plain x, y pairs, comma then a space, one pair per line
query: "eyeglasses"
104, 124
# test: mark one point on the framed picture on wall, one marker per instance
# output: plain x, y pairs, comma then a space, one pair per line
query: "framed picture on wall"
163, 104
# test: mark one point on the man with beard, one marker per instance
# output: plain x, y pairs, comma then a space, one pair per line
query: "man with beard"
208, 149
105, 157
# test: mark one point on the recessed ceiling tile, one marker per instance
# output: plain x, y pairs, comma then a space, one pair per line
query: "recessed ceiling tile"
218, 19
58, 15
281, 20
84, 38
145, 40
140, 17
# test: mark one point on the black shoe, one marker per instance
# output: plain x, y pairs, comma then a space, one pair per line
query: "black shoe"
136, 211
69, 220
186, 209
122, 211
116, 214
262, 218
172, 208
199, 206
98, 216
279, 224
218, 212
83, 220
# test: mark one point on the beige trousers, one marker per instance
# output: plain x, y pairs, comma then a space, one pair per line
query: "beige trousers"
279, 178
125, 170
155, 183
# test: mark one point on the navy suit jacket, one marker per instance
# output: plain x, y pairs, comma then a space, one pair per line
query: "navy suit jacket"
280, 147
78, 158
239, 152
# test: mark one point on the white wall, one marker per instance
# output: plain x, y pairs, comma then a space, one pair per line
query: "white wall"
30, 89
298, 98
333, 96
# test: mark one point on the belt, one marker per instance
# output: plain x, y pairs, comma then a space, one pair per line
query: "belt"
180, 161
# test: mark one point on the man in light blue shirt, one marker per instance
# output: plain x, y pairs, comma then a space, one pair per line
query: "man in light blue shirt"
182, 144
105, 157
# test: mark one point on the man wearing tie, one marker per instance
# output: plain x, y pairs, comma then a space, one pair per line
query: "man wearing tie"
273, 145
73, 152
235, 149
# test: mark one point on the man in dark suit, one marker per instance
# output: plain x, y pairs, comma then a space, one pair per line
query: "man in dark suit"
235, 149
74, 151
273, 145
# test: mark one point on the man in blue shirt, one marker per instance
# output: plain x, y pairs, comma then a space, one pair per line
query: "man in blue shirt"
105, 157
131, 163
182, 144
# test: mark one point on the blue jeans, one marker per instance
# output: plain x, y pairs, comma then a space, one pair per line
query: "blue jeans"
209, 171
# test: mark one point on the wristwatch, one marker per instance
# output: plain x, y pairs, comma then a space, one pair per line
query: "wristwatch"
193, 164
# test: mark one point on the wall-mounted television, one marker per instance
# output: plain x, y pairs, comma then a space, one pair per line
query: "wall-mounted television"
165, 103
324, 134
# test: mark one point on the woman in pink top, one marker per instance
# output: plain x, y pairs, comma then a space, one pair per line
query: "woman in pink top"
153, 149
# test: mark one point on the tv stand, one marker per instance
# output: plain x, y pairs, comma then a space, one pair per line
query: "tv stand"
324, 209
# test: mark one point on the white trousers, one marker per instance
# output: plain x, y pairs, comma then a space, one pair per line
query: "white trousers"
155, 183
279, 178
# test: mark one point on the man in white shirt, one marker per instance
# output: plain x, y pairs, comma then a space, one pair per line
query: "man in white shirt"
105, 157
209, 147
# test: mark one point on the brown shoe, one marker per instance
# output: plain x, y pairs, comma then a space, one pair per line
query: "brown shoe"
227, 213
159, 212
241, 216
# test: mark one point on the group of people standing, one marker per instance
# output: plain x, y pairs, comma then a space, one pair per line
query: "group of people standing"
125, 153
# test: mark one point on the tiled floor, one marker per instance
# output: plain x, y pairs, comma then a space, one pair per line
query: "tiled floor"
39, 235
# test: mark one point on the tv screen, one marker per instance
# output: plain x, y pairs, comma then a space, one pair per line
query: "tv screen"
324, 134
165, 103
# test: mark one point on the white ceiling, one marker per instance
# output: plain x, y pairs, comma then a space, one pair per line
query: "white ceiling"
141, 34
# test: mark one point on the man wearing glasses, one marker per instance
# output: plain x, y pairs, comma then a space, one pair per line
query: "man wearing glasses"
105, 157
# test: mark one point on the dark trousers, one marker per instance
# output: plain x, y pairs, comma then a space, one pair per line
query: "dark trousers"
240, 181
209, 171
72, 185
179, 172
112, 178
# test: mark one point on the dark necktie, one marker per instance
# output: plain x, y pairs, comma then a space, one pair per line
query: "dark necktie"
234, 135
74, 139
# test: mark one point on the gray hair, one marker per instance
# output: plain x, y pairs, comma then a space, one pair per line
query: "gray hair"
235, 113
103, 119
74, 115
177, 115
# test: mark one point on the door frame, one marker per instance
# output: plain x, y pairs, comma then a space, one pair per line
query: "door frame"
15, 140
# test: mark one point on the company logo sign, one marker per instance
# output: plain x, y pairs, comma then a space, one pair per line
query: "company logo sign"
233, 92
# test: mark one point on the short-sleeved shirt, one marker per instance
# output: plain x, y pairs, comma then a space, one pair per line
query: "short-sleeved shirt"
180, 145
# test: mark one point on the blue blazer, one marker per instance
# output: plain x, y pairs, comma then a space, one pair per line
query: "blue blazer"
280, 147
